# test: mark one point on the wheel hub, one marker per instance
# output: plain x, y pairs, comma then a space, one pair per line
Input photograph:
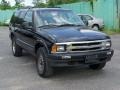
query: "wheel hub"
13, 47
41, 64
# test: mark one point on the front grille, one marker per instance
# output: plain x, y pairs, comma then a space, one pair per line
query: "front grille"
85, 46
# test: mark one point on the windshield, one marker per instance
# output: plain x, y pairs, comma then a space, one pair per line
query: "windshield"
59, 17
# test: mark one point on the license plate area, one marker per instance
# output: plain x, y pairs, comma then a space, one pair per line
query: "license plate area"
91, 58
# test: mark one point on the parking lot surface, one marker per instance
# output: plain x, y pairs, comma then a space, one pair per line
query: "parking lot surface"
20, 73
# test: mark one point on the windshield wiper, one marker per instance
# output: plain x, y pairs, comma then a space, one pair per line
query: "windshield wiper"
69, 25
53, 25
46, 26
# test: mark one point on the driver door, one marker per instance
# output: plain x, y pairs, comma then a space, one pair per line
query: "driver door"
28, 32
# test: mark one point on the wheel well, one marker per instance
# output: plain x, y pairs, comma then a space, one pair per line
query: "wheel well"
11, 36
96, 25
38, 45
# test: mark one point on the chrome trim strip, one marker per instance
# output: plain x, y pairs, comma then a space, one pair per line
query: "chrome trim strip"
25, 43
81, 42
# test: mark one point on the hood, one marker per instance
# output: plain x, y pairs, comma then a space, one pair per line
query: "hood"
71, 34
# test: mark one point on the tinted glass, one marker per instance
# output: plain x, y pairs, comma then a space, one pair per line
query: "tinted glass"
17, 13
22, 14
20, 17
15, 17
28, 16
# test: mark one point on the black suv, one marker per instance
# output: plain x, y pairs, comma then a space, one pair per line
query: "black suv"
58, 38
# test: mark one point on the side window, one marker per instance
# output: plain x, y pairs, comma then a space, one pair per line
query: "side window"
88, 17
82, 17
22, 14
21, 17
28, 17
14, 18
17, 13
85, 20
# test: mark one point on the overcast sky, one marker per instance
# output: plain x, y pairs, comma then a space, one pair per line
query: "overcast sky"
27, 2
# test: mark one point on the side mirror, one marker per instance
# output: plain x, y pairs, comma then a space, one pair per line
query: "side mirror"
27, 25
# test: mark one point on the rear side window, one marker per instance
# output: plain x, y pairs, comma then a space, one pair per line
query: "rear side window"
88, 17
15, 17
83, 18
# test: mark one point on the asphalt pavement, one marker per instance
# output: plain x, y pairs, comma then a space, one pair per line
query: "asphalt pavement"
20, 73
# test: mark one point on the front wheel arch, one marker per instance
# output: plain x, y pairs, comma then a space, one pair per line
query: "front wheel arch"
12, 36
41, 45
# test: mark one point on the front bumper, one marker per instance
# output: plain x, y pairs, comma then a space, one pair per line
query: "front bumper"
76, 59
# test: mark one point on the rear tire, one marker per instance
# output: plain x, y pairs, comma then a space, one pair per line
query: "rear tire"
16, 49
97, 66
43, 67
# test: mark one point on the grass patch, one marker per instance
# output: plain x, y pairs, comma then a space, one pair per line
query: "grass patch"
3, 24
111, 31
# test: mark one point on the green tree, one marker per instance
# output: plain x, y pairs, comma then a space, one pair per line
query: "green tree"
39, 3
53, 3
35, 2
18, 3
4, 5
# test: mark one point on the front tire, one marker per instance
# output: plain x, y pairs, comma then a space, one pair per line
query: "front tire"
97, 66
16, 49
43, 67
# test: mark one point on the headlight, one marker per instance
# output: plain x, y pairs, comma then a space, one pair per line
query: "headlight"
106, 45
57, 48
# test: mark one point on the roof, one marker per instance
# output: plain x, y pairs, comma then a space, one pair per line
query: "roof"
42, 8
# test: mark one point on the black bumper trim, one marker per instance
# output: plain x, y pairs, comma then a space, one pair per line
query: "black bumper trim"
77, 59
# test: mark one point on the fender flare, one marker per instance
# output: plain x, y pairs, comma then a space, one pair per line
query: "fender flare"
41, 43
